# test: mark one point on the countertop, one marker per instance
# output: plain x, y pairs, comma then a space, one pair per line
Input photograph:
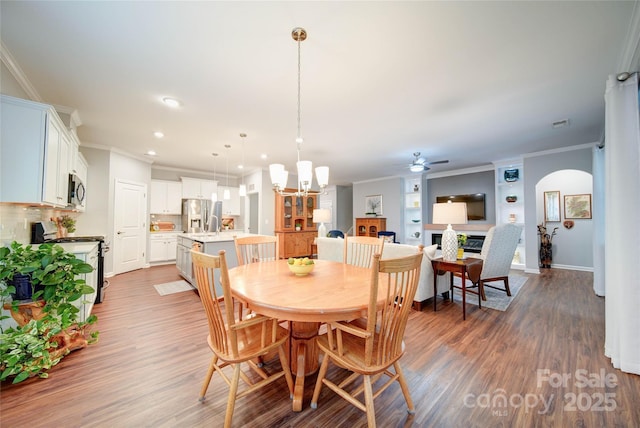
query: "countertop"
78, 247
204, 238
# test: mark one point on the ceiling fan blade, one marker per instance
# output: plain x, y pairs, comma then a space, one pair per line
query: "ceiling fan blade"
436, 162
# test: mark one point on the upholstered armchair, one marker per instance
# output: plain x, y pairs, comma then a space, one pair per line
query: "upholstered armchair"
497, 254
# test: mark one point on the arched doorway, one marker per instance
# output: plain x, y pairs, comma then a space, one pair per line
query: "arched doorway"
572, 247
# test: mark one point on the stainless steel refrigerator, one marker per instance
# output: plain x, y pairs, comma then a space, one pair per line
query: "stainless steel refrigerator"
201, 215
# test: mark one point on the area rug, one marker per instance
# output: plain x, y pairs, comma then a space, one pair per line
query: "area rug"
496, 299
173, 287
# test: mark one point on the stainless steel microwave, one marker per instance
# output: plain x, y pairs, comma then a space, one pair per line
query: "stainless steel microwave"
77, 192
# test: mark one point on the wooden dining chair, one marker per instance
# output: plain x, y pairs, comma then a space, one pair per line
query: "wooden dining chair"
255, 249
260, 248
359, 250
371, 351
234, 341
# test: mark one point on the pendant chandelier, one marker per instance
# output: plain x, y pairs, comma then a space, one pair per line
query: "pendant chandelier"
214, 195
277, 172
226, 195
242, 191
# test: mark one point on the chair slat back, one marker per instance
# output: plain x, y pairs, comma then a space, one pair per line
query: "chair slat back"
386, 326
359, 250
252, 249
207, 268
498, 249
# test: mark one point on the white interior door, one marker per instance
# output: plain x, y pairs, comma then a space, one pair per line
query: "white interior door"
130, 214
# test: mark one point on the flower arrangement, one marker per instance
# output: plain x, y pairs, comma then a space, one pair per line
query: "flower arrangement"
66, 222
462, 239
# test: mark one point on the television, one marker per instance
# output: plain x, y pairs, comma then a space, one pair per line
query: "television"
475, 204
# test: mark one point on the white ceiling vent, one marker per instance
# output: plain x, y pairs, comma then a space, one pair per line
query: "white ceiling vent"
560, 123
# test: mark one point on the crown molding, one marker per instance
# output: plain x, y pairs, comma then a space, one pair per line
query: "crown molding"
471, 170
16, 71
561, 150
118, 151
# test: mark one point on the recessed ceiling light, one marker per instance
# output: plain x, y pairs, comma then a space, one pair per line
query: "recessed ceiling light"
240, 166
158, 134
263, 156
151, 153
171, 102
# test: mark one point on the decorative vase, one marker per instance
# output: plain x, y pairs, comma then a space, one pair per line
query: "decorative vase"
546, 255
449, 245
460, 253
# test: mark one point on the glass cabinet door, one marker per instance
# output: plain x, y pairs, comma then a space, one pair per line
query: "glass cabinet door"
310, 207
288, 210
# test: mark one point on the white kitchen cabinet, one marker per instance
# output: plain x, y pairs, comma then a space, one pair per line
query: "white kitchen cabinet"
88, 253
73, 153
82, 168
163, 247
196, 188
35, 149
165, 197
230, 207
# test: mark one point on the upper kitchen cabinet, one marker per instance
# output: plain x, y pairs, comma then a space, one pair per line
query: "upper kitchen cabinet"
231, 206
165, 197
196, 188
82, 168
35, 148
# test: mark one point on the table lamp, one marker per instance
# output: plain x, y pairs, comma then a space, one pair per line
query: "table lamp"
449, 213
322, 216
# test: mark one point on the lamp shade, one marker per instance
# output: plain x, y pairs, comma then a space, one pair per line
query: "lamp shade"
305, 173
450, 213
322, 175
278, 175
321, 215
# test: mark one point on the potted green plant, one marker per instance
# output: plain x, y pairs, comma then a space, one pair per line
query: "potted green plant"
462, 239
68, 223
42, 338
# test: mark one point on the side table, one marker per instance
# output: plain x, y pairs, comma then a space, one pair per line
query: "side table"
469, 266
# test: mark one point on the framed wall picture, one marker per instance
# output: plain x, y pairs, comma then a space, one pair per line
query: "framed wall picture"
577, 206
552, 205
373, 205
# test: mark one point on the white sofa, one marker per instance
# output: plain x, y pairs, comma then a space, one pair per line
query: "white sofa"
333, 249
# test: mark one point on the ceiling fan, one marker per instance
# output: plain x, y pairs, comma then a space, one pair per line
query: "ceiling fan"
420, 164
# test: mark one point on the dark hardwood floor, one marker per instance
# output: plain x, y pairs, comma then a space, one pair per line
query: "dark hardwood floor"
537, 364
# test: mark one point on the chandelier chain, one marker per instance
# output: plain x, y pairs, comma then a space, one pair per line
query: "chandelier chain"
299, 136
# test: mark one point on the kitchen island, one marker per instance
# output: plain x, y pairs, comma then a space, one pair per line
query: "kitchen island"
209, 243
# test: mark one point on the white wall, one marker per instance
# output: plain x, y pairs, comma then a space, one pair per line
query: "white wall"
536, 167
392, 191
572, 248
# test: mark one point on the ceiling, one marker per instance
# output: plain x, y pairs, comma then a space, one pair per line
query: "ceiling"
472, 82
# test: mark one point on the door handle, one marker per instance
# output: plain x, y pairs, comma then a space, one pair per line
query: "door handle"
119, 232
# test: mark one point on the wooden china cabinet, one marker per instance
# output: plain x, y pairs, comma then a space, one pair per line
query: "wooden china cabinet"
294, 224
370, 226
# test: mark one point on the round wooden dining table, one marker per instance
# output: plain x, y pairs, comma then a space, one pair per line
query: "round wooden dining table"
333, 291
